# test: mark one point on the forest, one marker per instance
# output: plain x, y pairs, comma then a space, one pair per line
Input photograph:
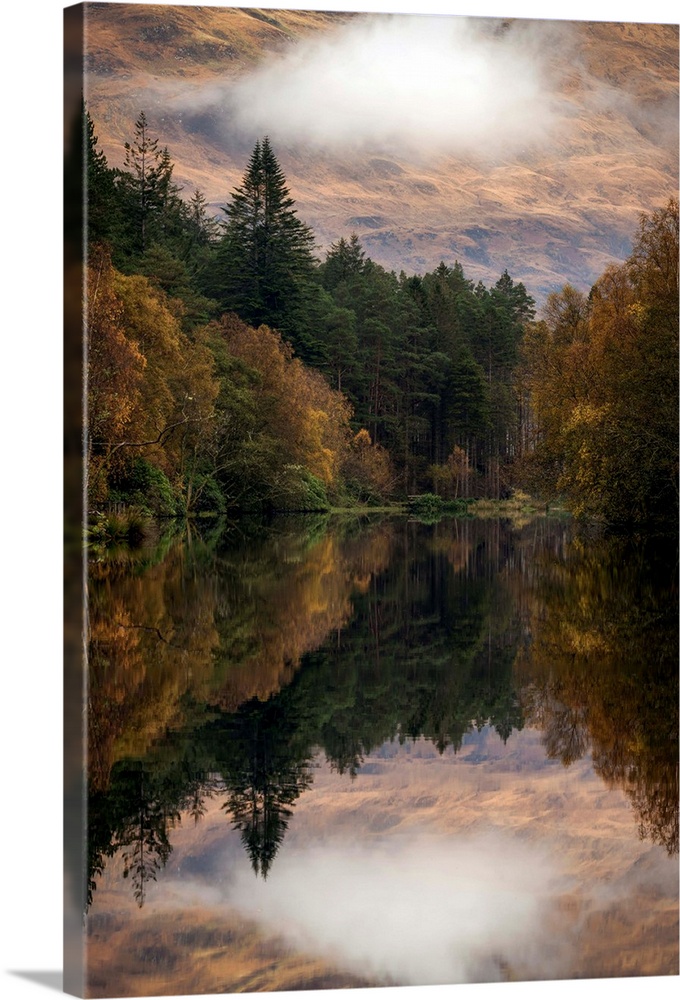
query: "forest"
230, 370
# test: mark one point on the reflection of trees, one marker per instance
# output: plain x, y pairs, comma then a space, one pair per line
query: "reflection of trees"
429, 652
151, 637
212, 625
145, 842
208, 624
264, 763
238, 701
600, 672
135, 819
654, 796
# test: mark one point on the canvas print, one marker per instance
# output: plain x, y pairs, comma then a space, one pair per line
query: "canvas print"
372, 484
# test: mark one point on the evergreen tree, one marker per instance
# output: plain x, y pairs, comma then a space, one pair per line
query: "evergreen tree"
99, 180
344, 260
264, 265
201, 228
149, 196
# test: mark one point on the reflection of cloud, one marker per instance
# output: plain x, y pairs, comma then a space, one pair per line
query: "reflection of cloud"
412, 911
410, 83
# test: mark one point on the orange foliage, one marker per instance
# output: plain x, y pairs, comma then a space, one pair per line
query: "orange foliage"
151, 390
115, 367
369, 466
178, 389
161, 640
296, 405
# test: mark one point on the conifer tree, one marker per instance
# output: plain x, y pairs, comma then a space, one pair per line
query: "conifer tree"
264, 262
344, 260
202, 229
101, 215
148, 192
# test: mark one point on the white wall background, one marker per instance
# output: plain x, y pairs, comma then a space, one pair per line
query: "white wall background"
30, 460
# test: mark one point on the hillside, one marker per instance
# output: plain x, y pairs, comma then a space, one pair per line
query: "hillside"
556, 209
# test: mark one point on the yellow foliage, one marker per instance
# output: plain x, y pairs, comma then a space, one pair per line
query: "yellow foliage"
159, 640
601, 376
308, 420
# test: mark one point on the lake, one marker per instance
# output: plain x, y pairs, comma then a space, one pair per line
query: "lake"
339, 752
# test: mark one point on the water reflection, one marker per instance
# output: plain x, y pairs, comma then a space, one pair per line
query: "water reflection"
220, 669
600, 672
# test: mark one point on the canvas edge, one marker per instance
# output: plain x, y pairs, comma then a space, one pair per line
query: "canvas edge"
75, 618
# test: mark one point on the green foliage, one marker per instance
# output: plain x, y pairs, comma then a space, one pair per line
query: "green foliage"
428, 508
170, 272
426, 504
428, 654
149, 197
345, 260
297, 489
100, 190
206, 497
425, 363
264, 261
130, 525
146, 487
582, 404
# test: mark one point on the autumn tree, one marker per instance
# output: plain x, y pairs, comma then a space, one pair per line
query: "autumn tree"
601, 373
297, 425
115, 371
368, 471
151, 390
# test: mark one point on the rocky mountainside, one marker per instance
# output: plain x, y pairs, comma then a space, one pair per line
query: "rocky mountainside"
541, 168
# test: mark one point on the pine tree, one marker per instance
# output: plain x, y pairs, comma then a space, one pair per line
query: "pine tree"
264, 262
344, 260
101, 215
201, 228
147, 189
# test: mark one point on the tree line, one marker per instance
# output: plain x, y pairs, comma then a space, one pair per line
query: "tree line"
230, 369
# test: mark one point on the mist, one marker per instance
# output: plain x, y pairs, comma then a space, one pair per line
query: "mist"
411, 84
407, 910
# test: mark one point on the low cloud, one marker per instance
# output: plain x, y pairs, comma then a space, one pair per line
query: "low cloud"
412, 84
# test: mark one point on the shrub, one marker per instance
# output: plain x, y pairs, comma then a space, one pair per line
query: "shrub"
297, 489
426, 504
130, 525
207, 497
147, 488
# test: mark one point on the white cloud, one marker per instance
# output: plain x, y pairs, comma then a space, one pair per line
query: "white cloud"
415, 84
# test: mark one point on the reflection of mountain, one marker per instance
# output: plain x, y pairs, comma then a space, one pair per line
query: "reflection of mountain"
601, 671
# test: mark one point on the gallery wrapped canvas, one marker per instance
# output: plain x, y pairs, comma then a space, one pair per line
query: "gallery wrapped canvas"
371, 468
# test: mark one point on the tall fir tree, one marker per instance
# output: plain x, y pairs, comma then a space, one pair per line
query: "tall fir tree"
264, 263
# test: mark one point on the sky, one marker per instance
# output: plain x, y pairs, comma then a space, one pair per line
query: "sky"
31, 499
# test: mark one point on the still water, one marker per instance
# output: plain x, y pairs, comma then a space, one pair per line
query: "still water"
329, 754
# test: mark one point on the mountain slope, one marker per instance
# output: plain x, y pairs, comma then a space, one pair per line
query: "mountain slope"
552, 211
